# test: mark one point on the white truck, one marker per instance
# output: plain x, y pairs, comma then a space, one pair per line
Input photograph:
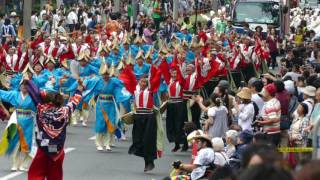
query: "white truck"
261, 13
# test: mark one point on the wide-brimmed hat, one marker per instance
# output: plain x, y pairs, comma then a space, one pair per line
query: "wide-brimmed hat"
245, 93
205, 137
310, 91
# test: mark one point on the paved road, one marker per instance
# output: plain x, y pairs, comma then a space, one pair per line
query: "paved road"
83, 162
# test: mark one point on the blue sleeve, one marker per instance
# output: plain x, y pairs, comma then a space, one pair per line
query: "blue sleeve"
9, 96
120, 92
94, 70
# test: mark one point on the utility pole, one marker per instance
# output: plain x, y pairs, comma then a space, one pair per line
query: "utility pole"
175, 10
134, 11
2, 6
117, 6
27, 6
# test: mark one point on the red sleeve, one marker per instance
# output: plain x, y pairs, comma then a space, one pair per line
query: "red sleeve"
164, 68
154, 81
35, 43
128, 78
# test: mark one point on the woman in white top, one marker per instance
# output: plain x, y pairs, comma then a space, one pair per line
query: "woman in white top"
245, 109
217, 123
220, 157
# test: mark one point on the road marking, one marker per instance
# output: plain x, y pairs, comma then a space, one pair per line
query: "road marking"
92, 138
11, 175
15, 174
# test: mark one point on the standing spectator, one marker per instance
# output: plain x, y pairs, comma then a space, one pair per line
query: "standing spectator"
46, 27
297, 134
8, 31
72, 20
156, 15
33, 23
309, 93
1, 24
283, 97
216, 125
245, 109
271, 114
55, 19
272, 41
256, 86
315, 115
93, 23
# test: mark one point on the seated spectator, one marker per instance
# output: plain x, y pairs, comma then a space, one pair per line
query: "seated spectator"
231, 141
220, 158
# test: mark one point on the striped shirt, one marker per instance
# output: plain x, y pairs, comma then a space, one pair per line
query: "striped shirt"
271, 111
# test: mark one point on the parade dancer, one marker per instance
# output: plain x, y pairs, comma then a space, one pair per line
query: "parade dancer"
144, 133
176, 108
18, 136
109, 91
52, 120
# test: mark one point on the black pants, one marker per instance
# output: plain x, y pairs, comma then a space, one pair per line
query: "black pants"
273, 56
196, 113
274, 138
176, 116
144, 137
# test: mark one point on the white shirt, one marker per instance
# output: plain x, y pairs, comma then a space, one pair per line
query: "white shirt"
55, 21
72, 16
33, 23
203, 159
293, 75
246, 115
310, 103
220, 158
259, 101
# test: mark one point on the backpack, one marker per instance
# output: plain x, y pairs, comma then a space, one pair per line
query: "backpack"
256, 111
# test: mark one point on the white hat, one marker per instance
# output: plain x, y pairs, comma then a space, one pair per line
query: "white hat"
310, 91
13, 14
212, 13
217, 144
289, 86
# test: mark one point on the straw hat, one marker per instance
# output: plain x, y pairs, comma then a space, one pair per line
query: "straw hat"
195, 133
245, 93
103, 68
205, 137
310, 91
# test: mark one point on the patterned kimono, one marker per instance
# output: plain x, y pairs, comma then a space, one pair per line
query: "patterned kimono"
20, 127
108, 95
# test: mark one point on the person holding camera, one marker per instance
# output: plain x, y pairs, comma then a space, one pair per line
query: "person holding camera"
271, 113
203, 161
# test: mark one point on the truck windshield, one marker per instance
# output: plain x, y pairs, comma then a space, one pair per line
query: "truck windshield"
256, 12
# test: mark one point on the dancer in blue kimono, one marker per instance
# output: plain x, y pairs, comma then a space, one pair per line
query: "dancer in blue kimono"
108, 91
86, 71
18, 136
140, 68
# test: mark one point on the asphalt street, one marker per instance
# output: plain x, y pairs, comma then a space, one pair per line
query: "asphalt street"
83, 162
